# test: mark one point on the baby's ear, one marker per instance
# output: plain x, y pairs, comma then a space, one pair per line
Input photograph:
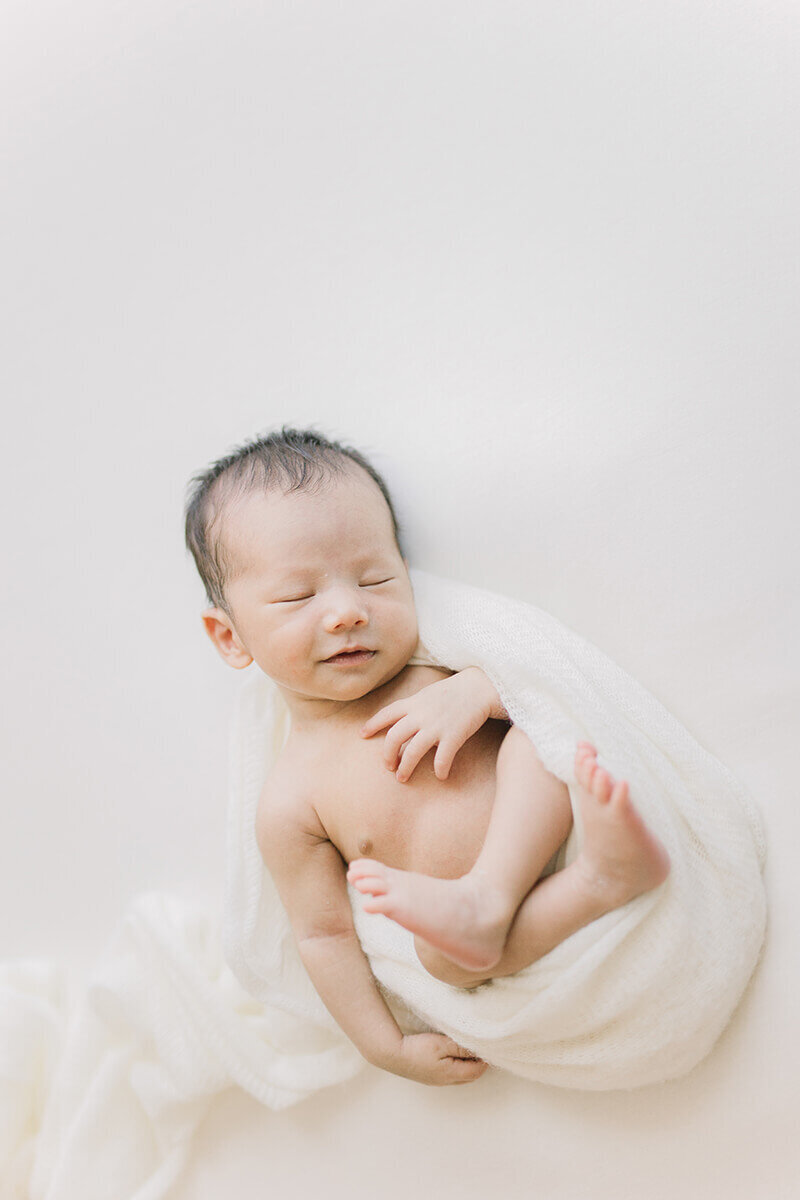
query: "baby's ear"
219, 628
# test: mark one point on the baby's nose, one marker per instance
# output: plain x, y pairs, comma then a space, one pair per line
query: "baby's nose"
346, 610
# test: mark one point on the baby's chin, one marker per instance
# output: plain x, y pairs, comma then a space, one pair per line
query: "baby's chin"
353, 683
356, 689
394, 665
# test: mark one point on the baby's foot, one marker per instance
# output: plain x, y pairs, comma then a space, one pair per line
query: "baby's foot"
620, 857
466, 919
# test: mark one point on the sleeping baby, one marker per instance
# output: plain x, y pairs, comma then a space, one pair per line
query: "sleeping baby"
449, 821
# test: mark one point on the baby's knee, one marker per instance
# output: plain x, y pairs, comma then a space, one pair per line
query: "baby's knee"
441, 967
516, 746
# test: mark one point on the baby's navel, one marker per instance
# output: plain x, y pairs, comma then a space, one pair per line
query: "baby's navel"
365, 847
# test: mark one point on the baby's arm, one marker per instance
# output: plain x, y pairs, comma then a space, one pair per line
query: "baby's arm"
444, 714
310, 876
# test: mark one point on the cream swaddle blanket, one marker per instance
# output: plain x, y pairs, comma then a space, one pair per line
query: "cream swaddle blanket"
111, 1084
639, 995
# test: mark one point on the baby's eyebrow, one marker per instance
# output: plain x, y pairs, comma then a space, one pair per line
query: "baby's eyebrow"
286, 583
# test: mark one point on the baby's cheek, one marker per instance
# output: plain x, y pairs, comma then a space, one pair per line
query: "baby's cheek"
405, 620
295, 659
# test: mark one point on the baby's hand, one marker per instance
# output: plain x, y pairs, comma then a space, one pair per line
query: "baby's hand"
443, 714
435, 1059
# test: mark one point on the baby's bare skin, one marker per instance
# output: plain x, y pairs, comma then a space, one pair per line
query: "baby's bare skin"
427, 825
412, 846
452, 846
470, 930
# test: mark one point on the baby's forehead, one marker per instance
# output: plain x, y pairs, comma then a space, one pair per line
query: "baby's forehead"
239, 520
275, 522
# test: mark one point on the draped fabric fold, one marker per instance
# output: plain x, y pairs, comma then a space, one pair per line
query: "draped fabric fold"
106, 1087
638, 996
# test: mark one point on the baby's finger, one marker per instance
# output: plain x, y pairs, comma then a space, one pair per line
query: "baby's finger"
451, 1049
398, 735
382, 718
465, 1070
412, 754
444, 757
463, 1065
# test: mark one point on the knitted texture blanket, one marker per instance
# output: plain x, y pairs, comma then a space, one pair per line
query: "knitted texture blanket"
110, 1082
636, 997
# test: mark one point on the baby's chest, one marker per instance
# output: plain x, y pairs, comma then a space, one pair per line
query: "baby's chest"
427, 824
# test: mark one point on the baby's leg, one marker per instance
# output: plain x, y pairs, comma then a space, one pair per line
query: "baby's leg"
620, 859
468, 919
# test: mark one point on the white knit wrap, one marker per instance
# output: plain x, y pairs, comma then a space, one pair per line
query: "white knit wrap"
639, 995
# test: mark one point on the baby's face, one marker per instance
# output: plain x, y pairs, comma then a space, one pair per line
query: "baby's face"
322, 600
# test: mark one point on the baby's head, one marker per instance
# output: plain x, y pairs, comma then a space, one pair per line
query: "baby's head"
296, 541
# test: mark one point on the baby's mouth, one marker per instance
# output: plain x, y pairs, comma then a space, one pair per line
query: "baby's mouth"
357, 655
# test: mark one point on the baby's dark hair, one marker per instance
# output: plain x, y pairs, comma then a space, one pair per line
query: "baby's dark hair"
291, 460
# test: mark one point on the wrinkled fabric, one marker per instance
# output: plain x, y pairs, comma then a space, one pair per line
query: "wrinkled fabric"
636, 997
108, 1082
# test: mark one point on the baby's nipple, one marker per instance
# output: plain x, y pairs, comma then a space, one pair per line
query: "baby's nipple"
365, 847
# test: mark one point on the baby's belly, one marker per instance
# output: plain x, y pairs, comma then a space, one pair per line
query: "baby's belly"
430, 825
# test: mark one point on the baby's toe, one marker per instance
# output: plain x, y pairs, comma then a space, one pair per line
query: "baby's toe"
370, 885
585, 769
362, 866
601, 785
619, 795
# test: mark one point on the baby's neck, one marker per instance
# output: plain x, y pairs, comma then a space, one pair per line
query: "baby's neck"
310, 716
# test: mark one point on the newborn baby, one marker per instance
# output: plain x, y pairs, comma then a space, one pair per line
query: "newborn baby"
296, 541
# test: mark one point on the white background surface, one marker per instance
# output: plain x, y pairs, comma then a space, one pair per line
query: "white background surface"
541, 262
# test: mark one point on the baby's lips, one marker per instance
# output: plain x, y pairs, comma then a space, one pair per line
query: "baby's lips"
349, 650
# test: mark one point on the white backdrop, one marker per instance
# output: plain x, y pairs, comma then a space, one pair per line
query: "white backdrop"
539, 261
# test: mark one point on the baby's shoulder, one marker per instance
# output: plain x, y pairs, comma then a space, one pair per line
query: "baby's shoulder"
286, 803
